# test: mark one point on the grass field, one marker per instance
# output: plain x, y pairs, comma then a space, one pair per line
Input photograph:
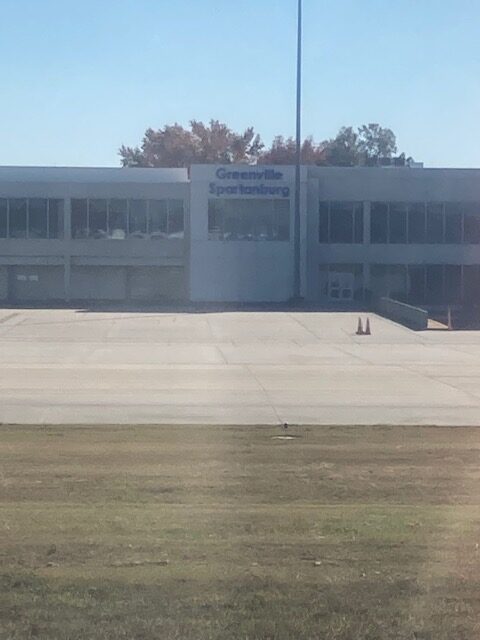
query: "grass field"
217, 533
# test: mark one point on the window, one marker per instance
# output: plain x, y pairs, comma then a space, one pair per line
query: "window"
453, 283
158, 219
3, 217
79, 218
416, 222
434, 234
137, 223
55, 218
18, 217
471, 283
379, 223
434, 284
175, 219
471, 223
117, 219
416, 284
341, 222
398, 223
97, 218
37, 218
251, 219
358, 223
323, 223
453, 223
281, 223
389, 280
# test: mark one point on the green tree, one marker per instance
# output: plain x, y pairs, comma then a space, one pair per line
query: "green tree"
343, 150
375, 142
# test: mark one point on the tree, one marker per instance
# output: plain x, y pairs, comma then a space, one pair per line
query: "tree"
216, 143
175, 146
376, 142
342, 151
284, 151
349, 148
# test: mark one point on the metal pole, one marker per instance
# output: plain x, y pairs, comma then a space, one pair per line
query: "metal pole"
297, 257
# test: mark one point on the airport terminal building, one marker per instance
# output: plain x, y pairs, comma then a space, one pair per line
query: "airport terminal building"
225, 234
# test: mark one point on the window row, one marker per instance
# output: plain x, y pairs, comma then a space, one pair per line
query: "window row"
430, 284
341, 222
31, 218
249, 219
425, 223
117, 218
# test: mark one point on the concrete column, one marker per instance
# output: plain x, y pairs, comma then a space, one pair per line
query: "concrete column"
366, 222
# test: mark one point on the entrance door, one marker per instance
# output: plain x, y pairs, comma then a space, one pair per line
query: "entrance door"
340, 286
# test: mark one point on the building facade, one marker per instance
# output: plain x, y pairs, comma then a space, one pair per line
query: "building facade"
225, 234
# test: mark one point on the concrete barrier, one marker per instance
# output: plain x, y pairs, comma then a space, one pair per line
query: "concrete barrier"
412, 317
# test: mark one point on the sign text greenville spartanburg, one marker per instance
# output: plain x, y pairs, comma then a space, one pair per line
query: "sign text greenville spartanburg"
251, 182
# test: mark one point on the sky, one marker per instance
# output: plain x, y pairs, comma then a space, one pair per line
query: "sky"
81, 77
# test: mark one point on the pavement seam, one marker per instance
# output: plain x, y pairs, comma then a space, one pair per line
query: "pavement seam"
265, 392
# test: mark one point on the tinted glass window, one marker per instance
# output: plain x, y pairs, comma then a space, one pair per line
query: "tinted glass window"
137, 222
175, 219
416, 284
416, 222
97, 219
55, 218
379, 223
434, 284
398, 223
79, 218
117, 219
158, 218
3, 217
471, 223
471, 283
248, 219
453, 223
18, 218
453, 283
358, 222
434, 223
341, 222
323, 235
37, 218
281, 224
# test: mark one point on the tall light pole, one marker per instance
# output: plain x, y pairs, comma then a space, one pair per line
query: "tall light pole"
297, 253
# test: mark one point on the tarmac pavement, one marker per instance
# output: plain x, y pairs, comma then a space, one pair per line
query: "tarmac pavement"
67, 366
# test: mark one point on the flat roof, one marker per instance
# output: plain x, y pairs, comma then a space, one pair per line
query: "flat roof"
91, 174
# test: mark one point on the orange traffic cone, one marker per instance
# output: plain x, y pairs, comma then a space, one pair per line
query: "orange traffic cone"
359, 327
367, 328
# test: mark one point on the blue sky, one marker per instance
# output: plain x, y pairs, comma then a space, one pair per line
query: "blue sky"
81, 77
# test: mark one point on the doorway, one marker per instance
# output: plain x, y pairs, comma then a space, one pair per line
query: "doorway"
341, 286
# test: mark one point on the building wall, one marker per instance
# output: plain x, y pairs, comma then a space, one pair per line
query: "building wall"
369, 185
203, 267
80, 259
239, 270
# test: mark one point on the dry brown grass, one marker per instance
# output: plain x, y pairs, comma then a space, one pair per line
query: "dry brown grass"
210, 532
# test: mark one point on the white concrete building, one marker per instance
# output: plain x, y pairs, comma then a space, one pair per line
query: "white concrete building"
225, 233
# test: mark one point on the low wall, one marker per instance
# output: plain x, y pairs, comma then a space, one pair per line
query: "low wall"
412, 317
